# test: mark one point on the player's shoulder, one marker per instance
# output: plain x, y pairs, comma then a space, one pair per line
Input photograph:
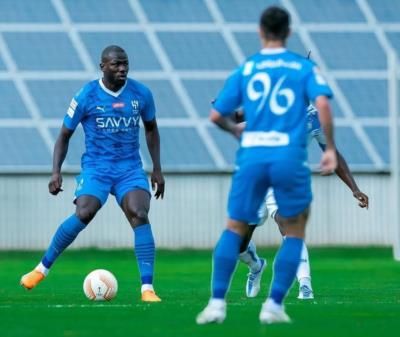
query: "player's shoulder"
137, 87
86, 90
305, 61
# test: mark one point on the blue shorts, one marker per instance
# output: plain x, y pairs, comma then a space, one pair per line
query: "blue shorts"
290, 180
100, 183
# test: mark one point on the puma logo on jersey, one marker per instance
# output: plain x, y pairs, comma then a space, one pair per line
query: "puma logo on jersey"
101, 108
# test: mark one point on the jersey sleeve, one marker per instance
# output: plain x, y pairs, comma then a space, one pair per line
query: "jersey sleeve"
230, 96
316, 85
148, 113
76, 110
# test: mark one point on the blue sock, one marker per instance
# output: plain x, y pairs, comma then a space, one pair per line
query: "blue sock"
64, 236
225, 257
145, 251
285, 267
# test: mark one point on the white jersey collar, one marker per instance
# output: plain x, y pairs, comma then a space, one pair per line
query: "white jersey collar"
110, 92
271, 51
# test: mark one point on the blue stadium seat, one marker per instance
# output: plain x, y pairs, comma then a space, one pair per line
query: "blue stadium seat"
55, 102
176, 11
23, 147
140, 53
226, 143
350, 50
386, 10
202, 92
201, 51
197, 51
394, 38
76, 146
368, 98
104, 11
2, 65
12, 105
27, 11
250, 43
43, 51
244, 11
181, 148
329, 11
167, 102
348, 145
379, 136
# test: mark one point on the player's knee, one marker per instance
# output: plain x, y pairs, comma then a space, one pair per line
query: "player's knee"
138, 217
85, 214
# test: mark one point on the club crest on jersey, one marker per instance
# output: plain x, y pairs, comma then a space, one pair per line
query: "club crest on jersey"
135, 105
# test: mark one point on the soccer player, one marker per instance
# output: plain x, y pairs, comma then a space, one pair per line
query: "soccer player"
109, 110
274, 87
249, 254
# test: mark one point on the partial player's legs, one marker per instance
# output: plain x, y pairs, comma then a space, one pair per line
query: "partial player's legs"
256, 266
225, 258
135, 205
304, 276
86, 208
285, 267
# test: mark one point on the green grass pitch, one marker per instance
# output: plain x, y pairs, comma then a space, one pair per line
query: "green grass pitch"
357, 294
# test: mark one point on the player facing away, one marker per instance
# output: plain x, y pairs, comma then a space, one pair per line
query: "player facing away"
109, 110
274, 87
249, 254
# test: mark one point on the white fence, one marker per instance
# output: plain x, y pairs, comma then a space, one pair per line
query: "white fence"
192, 214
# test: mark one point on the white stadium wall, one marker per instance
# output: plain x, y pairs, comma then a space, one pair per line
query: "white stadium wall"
192, 214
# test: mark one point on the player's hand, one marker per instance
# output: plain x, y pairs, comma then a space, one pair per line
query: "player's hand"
328, 162
55, 183
362, 198
238, 129
157, 180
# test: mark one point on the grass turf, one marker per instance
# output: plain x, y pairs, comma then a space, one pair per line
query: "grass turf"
357, 294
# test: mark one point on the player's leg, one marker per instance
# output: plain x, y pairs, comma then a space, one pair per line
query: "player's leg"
136, 205
225, 258
248, 252
247, 193
292, 190
91, 193
86, 208
257, 265
304, 276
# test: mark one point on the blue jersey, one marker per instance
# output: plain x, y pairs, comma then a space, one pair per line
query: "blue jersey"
110, 122
314, 128
274, 87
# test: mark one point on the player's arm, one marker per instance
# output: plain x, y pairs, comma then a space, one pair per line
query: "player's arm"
222, 113
153, 144
345, 175
227, 123
59, 154
328, 160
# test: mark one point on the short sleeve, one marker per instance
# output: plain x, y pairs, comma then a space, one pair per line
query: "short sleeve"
76, 110
148, 113
230, 96
316, 85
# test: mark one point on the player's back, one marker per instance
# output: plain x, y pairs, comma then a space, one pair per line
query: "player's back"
275, 100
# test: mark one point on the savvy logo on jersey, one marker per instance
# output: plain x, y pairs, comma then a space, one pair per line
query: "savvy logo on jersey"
117, 124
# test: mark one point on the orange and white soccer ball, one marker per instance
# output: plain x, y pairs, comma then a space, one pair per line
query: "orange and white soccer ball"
100, 285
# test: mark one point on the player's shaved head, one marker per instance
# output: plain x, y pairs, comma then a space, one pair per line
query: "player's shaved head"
110, 52
274, 23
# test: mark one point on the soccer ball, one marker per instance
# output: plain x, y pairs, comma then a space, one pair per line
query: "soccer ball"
100, 285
